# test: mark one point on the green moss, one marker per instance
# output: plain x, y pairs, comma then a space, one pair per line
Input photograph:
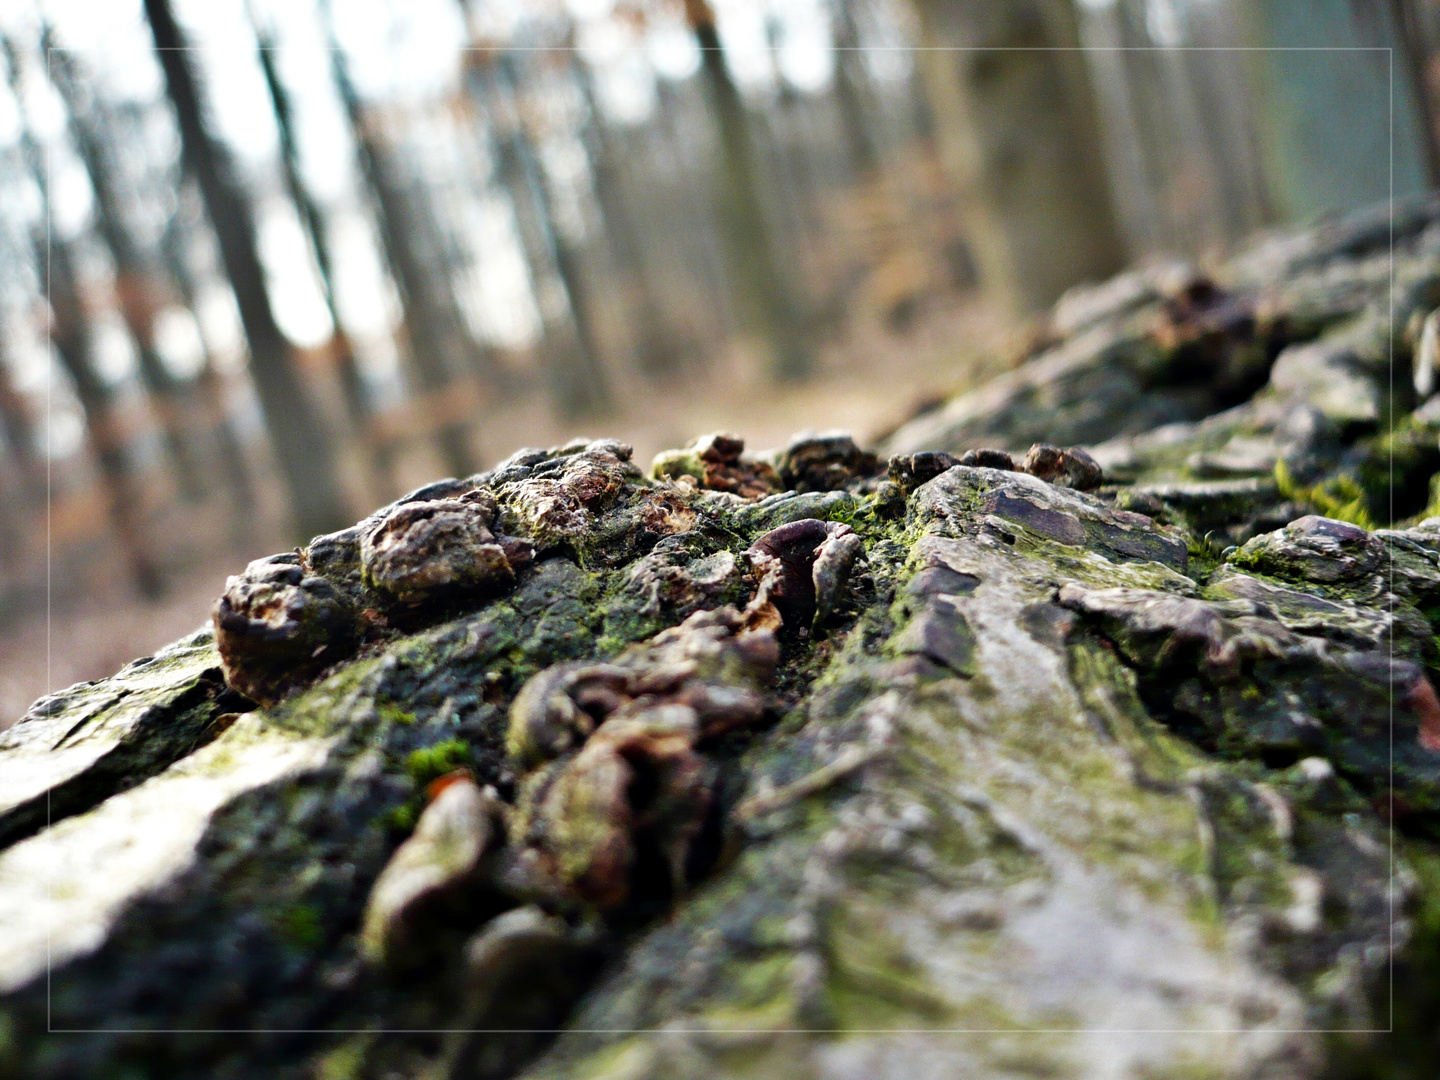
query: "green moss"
670, 464
9, 1046
763, 989
1206, 554
752, 519
1102, 784
633, 1058
402, 818
1186, 1070
1341, 497
866, 995
1432, 503
432, 762
346, 1061
1413, 1012
1398, 471
301, 927
317, 711
394, 713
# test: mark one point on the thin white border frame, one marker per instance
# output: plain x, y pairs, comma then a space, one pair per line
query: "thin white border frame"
1389, 52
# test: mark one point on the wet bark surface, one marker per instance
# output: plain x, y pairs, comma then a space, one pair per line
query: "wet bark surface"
807, 763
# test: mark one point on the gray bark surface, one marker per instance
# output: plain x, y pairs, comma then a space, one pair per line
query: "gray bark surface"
801, 763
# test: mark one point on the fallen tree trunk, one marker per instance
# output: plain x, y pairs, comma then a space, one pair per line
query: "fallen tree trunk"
801, 764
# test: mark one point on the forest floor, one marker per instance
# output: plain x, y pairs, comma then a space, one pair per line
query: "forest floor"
96, 623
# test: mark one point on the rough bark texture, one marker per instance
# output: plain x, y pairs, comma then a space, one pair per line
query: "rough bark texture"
800, 765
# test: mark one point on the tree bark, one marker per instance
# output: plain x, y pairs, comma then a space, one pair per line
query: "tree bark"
929, 768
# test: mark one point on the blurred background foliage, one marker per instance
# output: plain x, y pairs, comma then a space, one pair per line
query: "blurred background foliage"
265, 264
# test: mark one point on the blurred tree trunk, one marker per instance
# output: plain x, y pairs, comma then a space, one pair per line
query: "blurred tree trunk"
661, 168
138, 287
784, 138
766, 294
379, 457
17, 430
850, 86
19, 517
22, 473
655, 345
1422, 68
1218, 79
1365, 138
574, 371
18, 521
710, 301
72, 335
1108, 30
1015, 123
438, 343
1179, 145
208, 381
302, 447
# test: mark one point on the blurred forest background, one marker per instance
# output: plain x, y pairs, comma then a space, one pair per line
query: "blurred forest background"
266, 264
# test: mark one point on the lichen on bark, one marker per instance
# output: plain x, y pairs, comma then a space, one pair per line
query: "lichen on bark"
807, 763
